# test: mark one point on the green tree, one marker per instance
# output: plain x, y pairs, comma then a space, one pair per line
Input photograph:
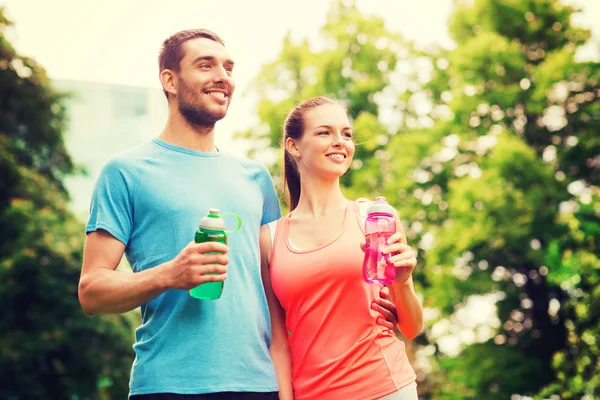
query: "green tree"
523, 136
50, 349
491, 158
573, 261
353, 66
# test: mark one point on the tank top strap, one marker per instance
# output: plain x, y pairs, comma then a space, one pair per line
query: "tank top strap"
359, 209
276, 228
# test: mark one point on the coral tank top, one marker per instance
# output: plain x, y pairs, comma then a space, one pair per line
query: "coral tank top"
338, 350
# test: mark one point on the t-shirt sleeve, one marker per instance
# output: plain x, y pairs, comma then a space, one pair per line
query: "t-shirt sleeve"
271, 209
111, 208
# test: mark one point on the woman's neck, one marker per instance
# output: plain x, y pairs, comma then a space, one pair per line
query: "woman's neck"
318, 198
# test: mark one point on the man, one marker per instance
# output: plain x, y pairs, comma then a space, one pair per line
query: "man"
147, 204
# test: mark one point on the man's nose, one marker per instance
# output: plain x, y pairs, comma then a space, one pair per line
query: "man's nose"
221, 75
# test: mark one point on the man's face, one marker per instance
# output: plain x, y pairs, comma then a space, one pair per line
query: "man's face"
204, 82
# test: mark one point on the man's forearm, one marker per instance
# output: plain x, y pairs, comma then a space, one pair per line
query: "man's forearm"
107, 291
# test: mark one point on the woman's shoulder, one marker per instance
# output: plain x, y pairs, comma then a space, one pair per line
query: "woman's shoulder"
271, 228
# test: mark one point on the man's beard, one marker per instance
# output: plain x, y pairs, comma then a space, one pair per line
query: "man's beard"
193, 111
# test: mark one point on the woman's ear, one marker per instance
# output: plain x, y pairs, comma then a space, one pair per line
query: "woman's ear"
291, 147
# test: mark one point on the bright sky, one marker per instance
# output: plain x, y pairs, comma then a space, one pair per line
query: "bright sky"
117, 41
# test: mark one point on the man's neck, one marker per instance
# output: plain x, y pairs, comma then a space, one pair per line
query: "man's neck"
195, 137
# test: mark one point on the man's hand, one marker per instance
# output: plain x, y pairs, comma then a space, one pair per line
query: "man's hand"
387, 309
195, 265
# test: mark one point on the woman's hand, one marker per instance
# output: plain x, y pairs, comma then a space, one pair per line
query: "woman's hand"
402, 256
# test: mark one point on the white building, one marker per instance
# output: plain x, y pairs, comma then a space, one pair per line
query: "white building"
103, 120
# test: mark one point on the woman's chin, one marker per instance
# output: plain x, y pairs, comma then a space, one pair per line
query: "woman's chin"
333, 173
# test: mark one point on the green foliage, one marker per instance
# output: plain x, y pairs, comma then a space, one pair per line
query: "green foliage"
485, 370
574, 265
344, 70
492, 162
544, 24
50, 349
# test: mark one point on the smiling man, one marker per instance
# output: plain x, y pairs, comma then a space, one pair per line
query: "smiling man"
147, 204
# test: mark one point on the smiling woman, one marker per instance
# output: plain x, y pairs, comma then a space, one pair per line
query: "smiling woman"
323, 120
338, 347
326, 146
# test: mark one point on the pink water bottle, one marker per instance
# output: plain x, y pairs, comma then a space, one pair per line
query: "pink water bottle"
379, 226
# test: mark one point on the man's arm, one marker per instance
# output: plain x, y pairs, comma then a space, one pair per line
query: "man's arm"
102, 289
280, 349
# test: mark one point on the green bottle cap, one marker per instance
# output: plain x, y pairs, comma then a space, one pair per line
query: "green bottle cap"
212, 221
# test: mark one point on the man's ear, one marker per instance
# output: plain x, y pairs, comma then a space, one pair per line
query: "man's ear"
168, 81
291, 147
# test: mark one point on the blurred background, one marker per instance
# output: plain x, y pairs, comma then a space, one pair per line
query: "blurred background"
478, 120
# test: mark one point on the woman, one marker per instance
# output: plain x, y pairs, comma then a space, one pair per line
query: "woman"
312, 269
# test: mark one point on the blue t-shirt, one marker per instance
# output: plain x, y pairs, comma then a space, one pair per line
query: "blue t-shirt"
152, 198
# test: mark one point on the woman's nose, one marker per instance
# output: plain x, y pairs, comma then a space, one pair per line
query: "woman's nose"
337, 140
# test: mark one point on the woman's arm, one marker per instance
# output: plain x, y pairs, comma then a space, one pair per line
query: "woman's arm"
280, 349
410, 311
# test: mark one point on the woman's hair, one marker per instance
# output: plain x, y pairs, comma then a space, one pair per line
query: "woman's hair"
293, 127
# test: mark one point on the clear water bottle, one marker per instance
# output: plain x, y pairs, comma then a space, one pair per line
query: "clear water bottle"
211, 229
379, 226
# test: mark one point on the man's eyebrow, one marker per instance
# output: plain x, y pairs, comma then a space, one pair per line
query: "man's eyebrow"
212, 58
330, 127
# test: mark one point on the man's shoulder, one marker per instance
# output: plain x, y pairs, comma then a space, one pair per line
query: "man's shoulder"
137, 152
132, 156
249, 164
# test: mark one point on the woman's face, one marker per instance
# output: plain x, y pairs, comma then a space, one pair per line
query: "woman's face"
326, 147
